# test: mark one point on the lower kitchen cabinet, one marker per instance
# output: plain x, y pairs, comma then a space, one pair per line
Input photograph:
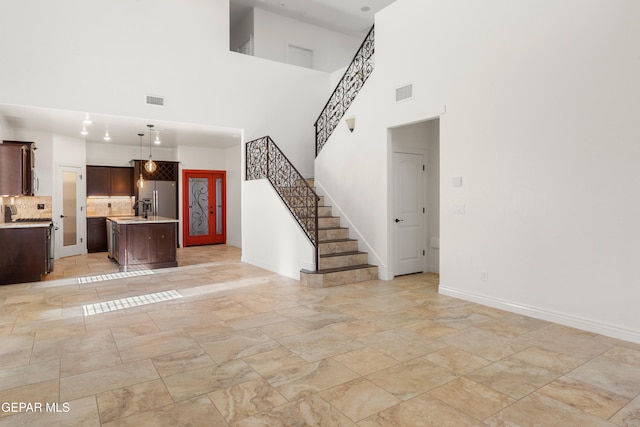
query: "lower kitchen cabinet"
97, 234
24, 254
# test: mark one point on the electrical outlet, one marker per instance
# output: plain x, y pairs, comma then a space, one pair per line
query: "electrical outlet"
40, 205
484, 276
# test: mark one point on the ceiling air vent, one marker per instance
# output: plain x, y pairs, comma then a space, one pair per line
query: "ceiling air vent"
404, 92
155, 100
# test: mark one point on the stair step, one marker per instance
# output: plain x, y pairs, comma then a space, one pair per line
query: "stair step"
324, 211
333, 233
328, 222
338, 276
337, 246
345, 259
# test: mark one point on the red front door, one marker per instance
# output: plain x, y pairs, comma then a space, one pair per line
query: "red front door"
204, 207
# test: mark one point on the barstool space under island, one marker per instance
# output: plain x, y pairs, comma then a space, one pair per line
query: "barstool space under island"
138, 242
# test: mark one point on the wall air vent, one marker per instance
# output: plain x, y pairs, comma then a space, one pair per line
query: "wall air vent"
155, 100
404, 92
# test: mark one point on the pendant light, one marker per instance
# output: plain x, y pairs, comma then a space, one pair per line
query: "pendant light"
150, 166
140, 182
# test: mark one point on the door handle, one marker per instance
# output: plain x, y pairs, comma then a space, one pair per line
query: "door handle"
399, 220
61, 216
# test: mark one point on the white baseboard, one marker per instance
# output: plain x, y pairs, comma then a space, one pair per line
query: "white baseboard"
551, 316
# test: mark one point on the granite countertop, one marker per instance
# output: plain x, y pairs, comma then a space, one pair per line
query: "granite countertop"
25, 224
127, 220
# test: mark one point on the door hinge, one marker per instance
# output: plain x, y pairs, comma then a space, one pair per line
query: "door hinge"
82, 240
423, 210
423, 252
423, 167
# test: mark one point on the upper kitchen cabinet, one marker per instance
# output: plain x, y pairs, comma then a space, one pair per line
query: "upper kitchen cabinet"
121, 181
17, 160
109, 181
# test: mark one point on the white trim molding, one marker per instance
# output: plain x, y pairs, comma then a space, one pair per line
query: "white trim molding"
551, 316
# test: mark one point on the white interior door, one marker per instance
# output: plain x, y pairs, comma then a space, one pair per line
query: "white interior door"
409, 212
299, 56
69, 211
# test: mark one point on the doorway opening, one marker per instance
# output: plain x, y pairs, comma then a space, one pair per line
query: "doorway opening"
204, 207
415, 198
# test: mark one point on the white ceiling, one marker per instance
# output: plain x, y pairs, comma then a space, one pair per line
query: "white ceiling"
122, 130
345, 16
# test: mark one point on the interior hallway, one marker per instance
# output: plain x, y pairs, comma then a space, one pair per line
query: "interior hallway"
237, 345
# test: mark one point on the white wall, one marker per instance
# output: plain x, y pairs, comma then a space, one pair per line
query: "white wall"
241, 32
538, 104
279, 244
6, 130
235, 167
63, 57
273, 33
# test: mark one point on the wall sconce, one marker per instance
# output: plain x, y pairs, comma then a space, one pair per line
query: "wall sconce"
351, 123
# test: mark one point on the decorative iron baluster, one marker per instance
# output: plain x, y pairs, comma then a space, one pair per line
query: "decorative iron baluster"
352, 81
265, 160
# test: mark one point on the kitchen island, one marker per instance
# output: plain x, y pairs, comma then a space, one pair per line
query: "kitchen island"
137, 242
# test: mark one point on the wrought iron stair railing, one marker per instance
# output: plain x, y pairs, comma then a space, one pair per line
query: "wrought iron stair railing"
340, 100
264, 159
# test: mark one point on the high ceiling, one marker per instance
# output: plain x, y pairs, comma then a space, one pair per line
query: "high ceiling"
346, 16
122, 130
353, 17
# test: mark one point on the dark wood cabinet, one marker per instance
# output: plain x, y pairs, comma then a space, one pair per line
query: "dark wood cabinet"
23, 254
148, 244
121, 181
98, 181
97, 234
109, 181
16, 168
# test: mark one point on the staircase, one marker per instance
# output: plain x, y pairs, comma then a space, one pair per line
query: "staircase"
339, 261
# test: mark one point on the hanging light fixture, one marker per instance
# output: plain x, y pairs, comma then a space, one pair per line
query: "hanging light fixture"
150, 166
140, 182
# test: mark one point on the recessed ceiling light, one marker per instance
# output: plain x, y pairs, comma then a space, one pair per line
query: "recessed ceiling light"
84, 130
106, 136
87, 119
365, 8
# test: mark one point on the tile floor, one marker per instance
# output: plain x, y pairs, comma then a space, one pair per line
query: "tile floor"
245, 347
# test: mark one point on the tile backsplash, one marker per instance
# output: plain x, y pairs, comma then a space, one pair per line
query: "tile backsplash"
110, 206
28, 206
104, 206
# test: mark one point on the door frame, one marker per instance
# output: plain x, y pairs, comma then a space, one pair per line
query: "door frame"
433, 208
186, 174
81, 194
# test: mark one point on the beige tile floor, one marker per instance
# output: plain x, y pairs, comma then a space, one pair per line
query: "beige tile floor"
245, 347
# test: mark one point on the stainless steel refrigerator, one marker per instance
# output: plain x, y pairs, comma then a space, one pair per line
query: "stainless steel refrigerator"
163, 197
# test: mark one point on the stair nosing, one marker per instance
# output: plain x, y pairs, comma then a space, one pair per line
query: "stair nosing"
339, 269
337, 241
332, 255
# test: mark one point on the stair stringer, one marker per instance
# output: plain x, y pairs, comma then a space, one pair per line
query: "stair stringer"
354, 233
